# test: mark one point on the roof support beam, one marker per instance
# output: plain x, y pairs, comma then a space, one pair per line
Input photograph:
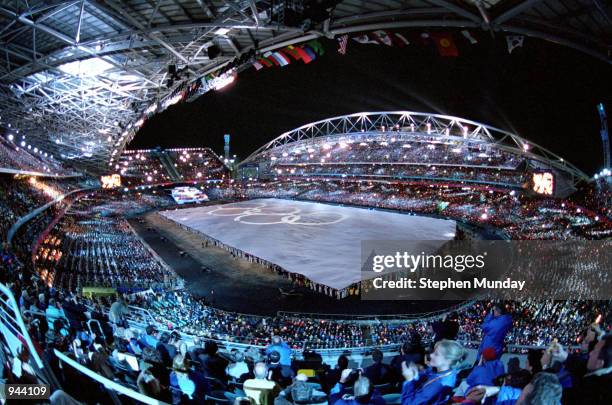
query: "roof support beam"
78, 31
456, 9
152, 36
514, 11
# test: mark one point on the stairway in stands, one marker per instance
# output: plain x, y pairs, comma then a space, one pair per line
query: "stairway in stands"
168, 164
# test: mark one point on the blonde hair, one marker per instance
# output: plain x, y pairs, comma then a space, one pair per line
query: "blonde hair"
452, 351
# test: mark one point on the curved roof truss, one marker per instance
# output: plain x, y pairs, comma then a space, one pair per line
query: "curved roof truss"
437, 126
80, 111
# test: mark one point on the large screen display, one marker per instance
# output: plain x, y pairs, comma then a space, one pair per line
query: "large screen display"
543, 183
111, 181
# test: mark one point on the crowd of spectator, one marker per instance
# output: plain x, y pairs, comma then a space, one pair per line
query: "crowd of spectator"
156, 166
165, 364
89, 250
20, 157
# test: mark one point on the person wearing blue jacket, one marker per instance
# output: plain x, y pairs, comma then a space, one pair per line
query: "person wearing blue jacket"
433, 385
282, 348
487, 371
495, 327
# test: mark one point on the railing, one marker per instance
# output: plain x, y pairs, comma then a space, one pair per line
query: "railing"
381, 317
110, 385
16, 334
35, 212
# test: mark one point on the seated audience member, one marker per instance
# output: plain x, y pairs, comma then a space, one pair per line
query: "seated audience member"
282, 348
280, 374
378, 373
55, 312
544, 389
553, 361
487, 371
187, 385
534, 361
213, 364
446, 328
149, 338
166, 350
435, 384
411, 351
148, 384
596, 385
363, 394
260, 389
238, 367
332, 377
300, 392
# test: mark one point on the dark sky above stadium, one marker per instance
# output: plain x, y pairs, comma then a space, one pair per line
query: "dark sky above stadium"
544, 92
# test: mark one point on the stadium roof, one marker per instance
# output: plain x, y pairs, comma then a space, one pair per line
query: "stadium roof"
76, 75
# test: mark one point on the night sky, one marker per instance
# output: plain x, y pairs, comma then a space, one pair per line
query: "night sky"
544, 92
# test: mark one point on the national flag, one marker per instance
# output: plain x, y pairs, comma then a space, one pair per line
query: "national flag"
306, 58
383, 37
342, 43
399, 40
311, 54
445, 44
514, 41
365, 39
265, 62
316, 47
269, 56
468, 35
257, 65
291, 51
281, 58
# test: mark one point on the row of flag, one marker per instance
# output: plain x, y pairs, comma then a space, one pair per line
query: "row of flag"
444, 41
282, 57
306, 53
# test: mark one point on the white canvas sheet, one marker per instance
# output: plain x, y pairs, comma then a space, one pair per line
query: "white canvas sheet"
320, 241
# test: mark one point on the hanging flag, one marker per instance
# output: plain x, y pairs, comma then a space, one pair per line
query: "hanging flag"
399, 40
316, 47
365, 39
265, 62
311, 54
342, 43
383, 37
514, 41
445, 44
257, 65
281, 58
291, 51
269, 56
303, 54
468, 35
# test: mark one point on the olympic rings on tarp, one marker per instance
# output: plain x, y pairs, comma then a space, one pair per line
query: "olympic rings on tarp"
248, 214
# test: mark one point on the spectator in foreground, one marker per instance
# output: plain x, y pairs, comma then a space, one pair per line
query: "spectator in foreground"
282, 348
433, 385
446, 328
378, 373
595, 386
363, 394
238, 367
260, 389
487, 371
495, 327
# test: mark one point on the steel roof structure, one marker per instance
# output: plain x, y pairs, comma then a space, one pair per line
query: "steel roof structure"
409, 124
75, 75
